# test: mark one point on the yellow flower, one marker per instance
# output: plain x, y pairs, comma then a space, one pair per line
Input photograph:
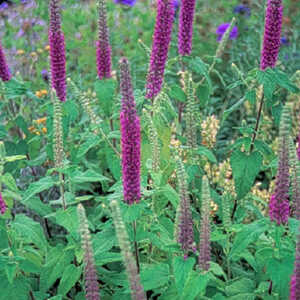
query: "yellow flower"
47, 48
33, 54
40, 121
38, 94
44, 130
40, 50
20, 52
44, 92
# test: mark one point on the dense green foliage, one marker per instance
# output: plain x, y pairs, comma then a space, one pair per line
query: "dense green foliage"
40, 246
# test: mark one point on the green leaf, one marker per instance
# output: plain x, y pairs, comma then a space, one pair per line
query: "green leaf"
177, 93
251, 96
90, 142
249, 233
240, 286
70, 276
68, 219
9, 181
245, 168
217, 270
267, 79
283, 81
30, 230
87, 176
18, 290
280, 272
155, 276
195, 285
37, 187
198, 66
105, 90
182, 268
14, 158
207, 153
231, 109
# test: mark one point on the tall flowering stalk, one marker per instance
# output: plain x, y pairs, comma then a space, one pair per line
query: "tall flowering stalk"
57, 51
185, 32
90, 273
271, 42
130, 138
185, 234
160, 46
2, 161
137, 291
295, 181
204, 244
5, 74
279, 202
103, 46
295, 278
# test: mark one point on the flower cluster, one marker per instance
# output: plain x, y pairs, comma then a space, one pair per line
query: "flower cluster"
204, 245
57, 51
160, 47
2, 205
103, 46
4, 70
271, 43
90, 273
279, 201
210, 127
185, 32
130, 138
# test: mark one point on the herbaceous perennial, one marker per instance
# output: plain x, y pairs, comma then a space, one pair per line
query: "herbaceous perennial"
271, 42
57, 51
160, 47
130, 138
4, 70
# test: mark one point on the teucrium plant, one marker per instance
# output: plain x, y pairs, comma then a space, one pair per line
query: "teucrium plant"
90, 273
204, 244
137, 291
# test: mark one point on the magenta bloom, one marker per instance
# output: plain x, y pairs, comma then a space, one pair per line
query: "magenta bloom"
293, 288
222, 29
4, 70
160, 47
185, 32
271, 43
103, 46
57, 52
2, 205
130, 138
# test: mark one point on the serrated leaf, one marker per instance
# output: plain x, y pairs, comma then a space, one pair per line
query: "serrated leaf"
195, 285
267, 79
69, 278
182, 267
177, 93
248, 234
155, 276
207, 153
283, 81
240, 286
30, 231
91, 142
9, 181
245, 168
87, 176
37, 187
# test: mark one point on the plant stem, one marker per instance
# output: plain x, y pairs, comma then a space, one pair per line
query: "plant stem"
136, 252
62, 190
257, 122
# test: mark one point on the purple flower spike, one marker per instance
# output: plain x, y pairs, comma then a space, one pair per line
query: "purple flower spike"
222, 29
185, 32
130, 138
279, 202
2, 205
271, 43
160, 47
57, 52
295, 278
4, 70
103, 46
